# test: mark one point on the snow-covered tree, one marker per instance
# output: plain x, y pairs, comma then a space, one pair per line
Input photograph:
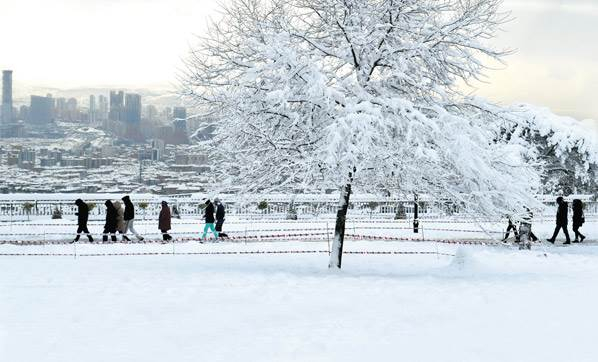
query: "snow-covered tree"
357, 94
566, 149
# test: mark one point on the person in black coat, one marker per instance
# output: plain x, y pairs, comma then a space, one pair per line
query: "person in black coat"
510, 227
578, 220
164, 221
220, 212
110, 225
130, 217
209, 217
82, 217
561, 220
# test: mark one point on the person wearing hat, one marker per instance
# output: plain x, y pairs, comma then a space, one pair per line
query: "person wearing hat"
561, 220
209, 218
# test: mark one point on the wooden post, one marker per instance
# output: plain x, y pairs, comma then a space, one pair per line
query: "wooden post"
415, 214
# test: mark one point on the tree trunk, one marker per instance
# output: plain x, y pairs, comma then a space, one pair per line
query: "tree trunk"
336, 253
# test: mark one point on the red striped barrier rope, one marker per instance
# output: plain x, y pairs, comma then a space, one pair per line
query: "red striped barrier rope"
311, 221
240, 252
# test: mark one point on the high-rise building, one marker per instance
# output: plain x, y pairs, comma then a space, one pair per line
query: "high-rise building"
179, 113
102, 108
72, 110
6, 112
60, 112
71, 104
117, 105
92, 108
41, 110
180, 125
132, 108
24, 113
167, 114
151, 112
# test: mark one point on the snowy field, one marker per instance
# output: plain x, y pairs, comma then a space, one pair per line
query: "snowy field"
449, 303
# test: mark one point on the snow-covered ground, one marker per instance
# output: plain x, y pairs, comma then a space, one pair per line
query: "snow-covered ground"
485, 303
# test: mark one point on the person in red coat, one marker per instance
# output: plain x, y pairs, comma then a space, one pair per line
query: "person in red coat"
164, 221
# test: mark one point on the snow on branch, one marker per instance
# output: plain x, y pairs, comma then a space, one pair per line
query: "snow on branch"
307, 90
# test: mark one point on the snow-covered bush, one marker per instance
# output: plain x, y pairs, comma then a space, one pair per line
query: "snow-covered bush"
143, 206
373, 206
400, 214
292, 212
262, 206
28, 206
57, 213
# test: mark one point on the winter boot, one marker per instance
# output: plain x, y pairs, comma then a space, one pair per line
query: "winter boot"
582, 239
550, 241
568, 242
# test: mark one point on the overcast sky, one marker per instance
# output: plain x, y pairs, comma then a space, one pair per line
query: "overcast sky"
72, 43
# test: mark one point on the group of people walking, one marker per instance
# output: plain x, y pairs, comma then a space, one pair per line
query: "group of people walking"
562, 220
120, 218
214, 218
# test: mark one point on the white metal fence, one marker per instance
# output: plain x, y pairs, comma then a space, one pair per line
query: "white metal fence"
275, 206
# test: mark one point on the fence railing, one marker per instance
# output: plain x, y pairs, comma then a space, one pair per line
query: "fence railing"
273, 208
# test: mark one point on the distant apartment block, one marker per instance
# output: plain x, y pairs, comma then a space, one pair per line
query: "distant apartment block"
117, 105
6, 111
132, 108
41, 110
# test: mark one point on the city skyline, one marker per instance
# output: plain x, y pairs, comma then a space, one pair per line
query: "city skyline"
554, 64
